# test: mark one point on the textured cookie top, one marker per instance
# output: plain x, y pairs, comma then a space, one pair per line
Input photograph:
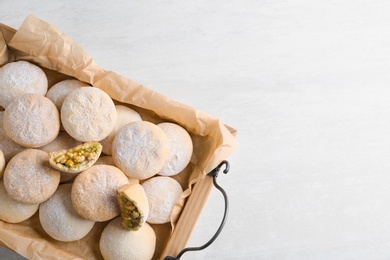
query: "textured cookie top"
94, 192
18, 78
29, 178
140, 149
180, 149
162, 192
88, 114
31, 120
59, 91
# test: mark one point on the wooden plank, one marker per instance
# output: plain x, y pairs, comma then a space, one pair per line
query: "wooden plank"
189, 217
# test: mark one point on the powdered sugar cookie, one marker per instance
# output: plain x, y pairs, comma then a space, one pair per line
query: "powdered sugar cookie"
125, 115
31, 120
60, 220
9, 147
116, 243
88, 114
59, 91
94, 192
180, 149
28, 177
140, 149
12, 211
162, 192
18, 78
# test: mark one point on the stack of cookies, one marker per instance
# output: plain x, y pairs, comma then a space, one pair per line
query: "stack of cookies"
71, 153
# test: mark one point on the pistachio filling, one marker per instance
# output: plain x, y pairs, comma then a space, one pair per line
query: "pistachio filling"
130, 215
77, 156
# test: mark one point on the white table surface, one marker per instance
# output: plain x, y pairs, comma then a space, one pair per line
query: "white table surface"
307, 85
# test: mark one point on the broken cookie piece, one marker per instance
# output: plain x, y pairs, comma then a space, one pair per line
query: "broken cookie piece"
134, 206
76, 159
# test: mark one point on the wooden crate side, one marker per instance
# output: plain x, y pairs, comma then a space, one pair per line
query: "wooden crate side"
189, 217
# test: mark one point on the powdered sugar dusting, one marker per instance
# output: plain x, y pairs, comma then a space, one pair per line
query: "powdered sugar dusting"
12, 211
94, 192
116, 243
125, 115
88, 114
180, 149
59, 91
31, 120
29, 178
18, 78
140, 149
162, 192
60, 220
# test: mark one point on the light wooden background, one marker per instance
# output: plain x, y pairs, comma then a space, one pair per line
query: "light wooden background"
307, 85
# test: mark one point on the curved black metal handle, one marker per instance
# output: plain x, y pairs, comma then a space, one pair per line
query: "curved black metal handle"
214, 174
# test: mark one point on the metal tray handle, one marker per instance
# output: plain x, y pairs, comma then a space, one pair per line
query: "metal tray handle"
214, 174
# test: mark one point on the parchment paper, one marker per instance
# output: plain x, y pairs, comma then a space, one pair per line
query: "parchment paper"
61, 58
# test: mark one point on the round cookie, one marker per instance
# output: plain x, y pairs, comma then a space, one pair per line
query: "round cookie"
19, 78
125, 115
180, 149
116, 243
29, 178
12, 211
60, 220
88, 114
94, 192
59, 91
31, 120
9, 147
162, 192
2, 164
140, 149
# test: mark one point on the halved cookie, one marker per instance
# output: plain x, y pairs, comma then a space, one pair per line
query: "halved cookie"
134, 205
76, 159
